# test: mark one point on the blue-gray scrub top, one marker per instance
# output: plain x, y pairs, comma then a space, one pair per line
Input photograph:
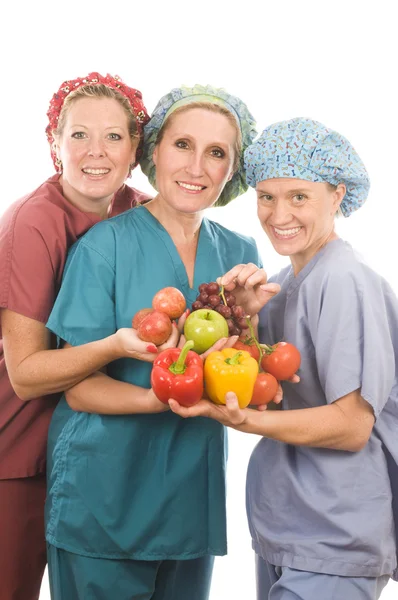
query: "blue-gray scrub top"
315, 509
147, 487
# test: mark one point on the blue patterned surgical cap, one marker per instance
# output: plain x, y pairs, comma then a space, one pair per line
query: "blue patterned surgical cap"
305, 149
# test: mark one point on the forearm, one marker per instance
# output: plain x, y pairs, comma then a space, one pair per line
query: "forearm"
101, 394
324, 427
50, 371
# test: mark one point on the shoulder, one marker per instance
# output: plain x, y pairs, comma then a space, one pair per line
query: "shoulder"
37, 209
221, 233
343, 267
105, 237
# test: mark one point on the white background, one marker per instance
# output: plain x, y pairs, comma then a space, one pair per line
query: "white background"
331, 61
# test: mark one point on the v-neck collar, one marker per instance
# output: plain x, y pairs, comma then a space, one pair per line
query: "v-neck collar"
205, 244
295, 282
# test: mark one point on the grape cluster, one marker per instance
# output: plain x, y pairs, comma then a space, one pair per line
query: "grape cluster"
224, 302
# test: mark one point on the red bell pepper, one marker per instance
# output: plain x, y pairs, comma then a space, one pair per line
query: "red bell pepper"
178, 374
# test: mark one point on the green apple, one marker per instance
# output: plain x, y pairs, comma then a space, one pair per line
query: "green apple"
204, 327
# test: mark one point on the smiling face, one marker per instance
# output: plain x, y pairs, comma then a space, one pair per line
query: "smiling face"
194, 159
96, 151
298, 216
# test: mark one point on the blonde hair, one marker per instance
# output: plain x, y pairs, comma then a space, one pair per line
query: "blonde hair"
215, 108
97, 91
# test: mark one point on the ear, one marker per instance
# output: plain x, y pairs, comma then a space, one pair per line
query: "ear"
155, 155
339, 194
232, 173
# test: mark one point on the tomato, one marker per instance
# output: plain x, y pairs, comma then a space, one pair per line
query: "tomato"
247, 343
265, 389
282, 361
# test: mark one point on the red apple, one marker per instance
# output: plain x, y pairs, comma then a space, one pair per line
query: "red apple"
156, 327
140, 315
170, 301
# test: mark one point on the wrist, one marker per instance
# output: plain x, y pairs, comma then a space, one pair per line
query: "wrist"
112, 347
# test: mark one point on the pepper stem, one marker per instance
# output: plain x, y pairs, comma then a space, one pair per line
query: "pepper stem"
255, 340
234, 360
179, 367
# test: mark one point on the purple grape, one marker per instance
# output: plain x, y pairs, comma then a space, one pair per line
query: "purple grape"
242, 323
203, 288
203, 297
214, 300
238, 312
213, 288
230, 300
225, 311
197, 305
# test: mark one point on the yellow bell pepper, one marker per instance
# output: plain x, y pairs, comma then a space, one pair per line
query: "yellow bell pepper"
230, 371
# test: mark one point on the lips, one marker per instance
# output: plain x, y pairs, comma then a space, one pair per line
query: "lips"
90, 171
191, 186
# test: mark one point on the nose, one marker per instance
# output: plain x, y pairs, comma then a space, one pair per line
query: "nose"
281, 213
195, 164
96, 148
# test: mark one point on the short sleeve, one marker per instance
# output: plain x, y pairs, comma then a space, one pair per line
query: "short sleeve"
27, 278
85, 307
353, 341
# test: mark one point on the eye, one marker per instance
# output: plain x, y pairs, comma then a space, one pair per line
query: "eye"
265, 197
218, 153
182, 144
299, 198
114, 136
78, 135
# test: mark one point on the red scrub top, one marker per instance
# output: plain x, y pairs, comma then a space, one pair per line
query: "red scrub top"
35, 235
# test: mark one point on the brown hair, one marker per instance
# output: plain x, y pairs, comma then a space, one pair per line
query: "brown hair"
216, 108
97, 91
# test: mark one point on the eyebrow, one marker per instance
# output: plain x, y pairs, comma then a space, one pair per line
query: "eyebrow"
85, 126
296, 191
188, 136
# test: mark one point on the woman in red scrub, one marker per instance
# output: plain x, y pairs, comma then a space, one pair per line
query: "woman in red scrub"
95, 133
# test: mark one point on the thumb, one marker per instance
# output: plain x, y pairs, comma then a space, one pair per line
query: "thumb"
231, 400
271, 288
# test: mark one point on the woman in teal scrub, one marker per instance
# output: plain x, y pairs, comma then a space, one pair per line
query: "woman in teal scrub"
136, 500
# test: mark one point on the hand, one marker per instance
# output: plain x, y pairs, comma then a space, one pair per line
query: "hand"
279, 394
230, 414
155, 405
129, 345
216, 347
250, 287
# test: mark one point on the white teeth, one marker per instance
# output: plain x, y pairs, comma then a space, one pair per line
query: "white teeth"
287, 232
189, 186
96, 171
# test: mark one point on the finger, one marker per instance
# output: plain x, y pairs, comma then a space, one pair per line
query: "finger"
182, 319
271, 288
262, 407
294, 379
279, 395
172, 341
235, 413
249, 271
231, 341
182, 341
198, 410
228, 279
219, 345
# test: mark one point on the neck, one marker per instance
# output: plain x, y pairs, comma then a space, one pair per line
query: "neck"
299, 261
181, 227
98, 206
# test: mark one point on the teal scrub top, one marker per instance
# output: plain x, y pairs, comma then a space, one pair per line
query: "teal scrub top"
147, 487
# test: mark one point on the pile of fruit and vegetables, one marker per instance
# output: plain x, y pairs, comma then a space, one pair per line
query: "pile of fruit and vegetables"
250, 369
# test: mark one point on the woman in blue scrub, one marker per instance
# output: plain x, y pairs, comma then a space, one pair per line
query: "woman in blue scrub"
136, 495
322, 483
